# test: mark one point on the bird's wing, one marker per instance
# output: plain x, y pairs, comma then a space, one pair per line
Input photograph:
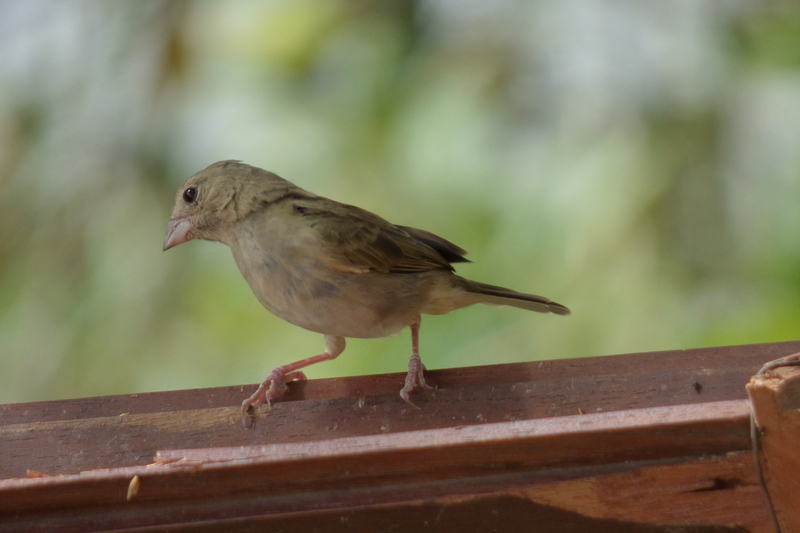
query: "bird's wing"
450, 251
359, 241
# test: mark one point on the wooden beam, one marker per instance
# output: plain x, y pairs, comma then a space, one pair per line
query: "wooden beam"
775, 396
639, 442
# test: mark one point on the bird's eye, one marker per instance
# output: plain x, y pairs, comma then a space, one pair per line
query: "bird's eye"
190, 195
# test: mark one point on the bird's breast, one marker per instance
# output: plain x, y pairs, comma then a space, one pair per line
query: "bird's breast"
304, 292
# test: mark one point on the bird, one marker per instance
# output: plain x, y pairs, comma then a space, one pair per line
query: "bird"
329, 267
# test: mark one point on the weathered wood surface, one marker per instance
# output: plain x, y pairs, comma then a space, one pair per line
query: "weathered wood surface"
775, 396
638, 442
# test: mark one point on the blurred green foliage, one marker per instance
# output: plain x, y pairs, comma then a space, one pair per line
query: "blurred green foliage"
638, 162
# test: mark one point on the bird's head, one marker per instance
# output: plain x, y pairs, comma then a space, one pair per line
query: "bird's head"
219, 196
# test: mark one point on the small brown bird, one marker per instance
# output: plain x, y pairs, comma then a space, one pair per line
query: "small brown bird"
329, 267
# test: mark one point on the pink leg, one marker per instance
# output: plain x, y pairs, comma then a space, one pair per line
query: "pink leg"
415, 378
274, 386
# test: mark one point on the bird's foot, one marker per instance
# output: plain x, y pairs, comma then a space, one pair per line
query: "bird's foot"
272, 388
414, 380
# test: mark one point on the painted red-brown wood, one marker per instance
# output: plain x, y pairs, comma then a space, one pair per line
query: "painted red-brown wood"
638, 442
775, 396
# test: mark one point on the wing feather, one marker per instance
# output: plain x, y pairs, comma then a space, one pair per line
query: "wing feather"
359, 241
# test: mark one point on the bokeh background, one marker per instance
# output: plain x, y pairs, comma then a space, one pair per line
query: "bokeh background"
636, 161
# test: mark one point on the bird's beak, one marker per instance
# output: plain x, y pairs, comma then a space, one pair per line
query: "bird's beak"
177, 232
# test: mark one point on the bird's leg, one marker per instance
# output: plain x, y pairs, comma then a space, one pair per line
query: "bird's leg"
415, 378
274, 386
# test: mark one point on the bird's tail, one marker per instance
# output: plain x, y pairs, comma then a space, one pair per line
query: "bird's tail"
498, 296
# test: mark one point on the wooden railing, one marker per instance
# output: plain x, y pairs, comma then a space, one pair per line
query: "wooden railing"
639, 442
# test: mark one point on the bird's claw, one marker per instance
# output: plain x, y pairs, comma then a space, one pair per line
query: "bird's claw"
272, 388
415, 379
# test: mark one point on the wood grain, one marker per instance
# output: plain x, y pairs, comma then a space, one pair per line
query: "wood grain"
637, 442
774, 396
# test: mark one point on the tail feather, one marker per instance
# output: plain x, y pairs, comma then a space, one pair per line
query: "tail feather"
494, 295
